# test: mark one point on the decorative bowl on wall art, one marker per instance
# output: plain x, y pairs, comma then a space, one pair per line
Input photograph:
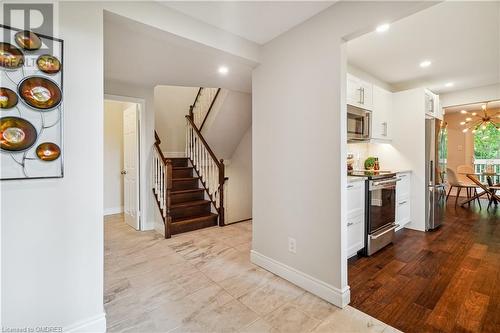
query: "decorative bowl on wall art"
31, 98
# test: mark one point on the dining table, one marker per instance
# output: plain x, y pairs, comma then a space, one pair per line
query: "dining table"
487, 189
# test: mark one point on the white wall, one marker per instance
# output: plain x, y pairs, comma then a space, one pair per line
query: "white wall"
468, 96
239, 186
299, 169
171, 104
52, 231
228, 122
113, 156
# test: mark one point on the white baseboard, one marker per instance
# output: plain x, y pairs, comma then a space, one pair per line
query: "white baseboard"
113, 210
329, 293
174, 154
94, 324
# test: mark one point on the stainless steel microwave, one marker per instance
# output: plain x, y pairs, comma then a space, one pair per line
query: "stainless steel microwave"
358, 124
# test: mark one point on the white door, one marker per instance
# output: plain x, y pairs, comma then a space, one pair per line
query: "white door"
131, 166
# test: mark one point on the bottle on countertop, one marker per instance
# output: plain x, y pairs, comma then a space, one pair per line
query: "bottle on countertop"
376, 165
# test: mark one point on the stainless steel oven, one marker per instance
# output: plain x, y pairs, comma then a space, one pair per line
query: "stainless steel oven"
381, 212
358, 124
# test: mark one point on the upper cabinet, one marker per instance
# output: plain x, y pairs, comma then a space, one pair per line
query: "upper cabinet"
382, 113
359, 93
432, 105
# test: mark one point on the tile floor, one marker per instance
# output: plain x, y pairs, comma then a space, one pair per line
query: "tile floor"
203, 281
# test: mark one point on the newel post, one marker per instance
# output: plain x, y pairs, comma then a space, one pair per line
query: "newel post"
168, 187
221, 197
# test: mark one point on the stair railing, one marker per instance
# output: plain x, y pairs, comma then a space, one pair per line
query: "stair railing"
209, 168
162, 184
202, 105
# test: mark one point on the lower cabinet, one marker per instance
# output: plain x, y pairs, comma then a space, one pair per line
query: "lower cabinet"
355, 217
355, 234
403, 203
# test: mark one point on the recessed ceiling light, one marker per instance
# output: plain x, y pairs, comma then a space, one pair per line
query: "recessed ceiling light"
223, 70
425, 63
449, 84
463, 111
383, 27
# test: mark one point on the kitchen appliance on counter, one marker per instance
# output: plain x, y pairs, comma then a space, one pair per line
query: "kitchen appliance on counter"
380, 209
358, 124
435, 194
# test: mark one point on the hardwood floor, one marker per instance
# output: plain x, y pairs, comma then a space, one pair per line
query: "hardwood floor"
442, 281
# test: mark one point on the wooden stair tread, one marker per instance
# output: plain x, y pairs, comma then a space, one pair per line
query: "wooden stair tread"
190, 204
187, 191
182, 168
184, 179
194, 219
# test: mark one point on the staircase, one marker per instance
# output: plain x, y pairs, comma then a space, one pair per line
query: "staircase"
189, 210
189, 190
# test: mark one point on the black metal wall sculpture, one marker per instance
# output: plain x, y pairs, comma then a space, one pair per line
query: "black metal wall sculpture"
31, 110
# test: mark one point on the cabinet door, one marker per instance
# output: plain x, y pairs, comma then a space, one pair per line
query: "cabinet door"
366, 95
403, 186
381, 115
438, 111
403, 212
355, 198
355, 234
353, 91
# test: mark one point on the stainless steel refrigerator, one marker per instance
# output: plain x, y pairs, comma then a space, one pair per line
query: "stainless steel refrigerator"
435, 198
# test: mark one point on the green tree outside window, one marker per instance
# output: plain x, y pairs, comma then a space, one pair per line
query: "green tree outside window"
487, 143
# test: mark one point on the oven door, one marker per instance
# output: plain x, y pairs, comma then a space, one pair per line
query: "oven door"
382, 210
358, 123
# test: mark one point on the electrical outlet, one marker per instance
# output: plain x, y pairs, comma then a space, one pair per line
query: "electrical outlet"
292, 245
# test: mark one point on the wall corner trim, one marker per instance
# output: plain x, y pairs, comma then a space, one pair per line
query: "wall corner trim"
93, 324
338, 297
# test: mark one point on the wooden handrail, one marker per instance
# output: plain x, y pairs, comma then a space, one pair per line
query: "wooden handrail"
210, 109
163, 198
202, 139
157, 144
191, 107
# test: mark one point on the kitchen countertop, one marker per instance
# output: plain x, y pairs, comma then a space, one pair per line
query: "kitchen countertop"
403, 171
351, 179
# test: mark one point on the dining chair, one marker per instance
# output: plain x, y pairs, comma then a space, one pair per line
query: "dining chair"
453, 181
493, 188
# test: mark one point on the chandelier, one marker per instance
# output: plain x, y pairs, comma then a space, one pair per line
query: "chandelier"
481, 120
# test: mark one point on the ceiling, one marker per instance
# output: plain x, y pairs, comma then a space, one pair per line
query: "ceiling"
257, 21
476, 107
462, 39
146, 56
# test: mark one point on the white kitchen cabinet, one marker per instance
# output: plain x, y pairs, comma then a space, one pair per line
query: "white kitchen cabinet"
359, 93
432, 105
403, 202
381, 114
438, 111
355, 217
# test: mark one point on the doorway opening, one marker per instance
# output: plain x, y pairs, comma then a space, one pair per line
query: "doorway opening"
122, 160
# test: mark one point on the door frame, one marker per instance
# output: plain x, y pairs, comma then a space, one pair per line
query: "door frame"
143, 183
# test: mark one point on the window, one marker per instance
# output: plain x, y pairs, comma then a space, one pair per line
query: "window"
487, 143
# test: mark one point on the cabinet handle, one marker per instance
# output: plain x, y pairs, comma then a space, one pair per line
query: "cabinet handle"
349, 224
363, 95
402, 203
350, 186
360, 95
402, 176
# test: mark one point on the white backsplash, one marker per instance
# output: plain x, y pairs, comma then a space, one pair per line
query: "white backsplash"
389, 157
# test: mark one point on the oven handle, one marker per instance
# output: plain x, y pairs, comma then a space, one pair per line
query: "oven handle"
384, 232
392, 180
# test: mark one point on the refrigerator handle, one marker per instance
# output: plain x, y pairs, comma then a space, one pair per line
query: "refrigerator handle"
431, 174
